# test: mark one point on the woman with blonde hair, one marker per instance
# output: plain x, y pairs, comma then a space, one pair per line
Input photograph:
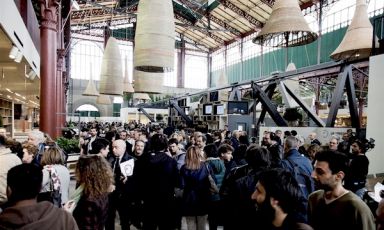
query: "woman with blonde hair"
95, 179
55, 174
196, 189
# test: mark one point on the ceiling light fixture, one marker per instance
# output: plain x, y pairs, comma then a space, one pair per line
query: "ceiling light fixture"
13, 53
31, 75
18, 57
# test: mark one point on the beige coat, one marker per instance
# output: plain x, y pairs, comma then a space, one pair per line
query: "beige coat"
8, 160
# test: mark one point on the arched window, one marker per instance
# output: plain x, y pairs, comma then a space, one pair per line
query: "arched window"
86, 55
88, 110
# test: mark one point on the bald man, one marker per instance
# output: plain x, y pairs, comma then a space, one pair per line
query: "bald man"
312, 138
120, 199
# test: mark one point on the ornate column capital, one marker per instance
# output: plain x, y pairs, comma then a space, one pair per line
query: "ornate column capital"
60, 59
48, 9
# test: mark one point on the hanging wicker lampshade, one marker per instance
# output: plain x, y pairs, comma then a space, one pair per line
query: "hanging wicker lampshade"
154, 37
357, 41
111, 80
127, 87
293, 85
286, 26
91, 87
104, 99
141, 96
222, 81
146, 82
290, 67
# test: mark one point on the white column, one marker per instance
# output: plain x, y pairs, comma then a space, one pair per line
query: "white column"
375, 113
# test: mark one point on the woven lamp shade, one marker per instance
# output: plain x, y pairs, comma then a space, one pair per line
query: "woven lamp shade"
290, 67
141, 96
155, 36
286, 26
293, 85
127, 86
357, 41
146, 82
104, 100
91, 87
111, 80
222, 81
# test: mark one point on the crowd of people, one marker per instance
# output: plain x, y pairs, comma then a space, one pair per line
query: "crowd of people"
153, 176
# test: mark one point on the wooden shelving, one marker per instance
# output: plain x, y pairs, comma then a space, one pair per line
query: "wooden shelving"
6, 108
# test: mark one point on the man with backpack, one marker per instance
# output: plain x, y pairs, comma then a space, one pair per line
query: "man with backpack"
301, 168
298, 165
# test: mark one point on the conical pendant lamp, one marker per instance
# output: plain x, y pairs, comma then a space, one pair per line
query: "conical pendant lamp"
290, 67
141, 96
146, 82
127, 87
111, 80
293, 85
286, 26
91, 88
104, 100
155, 37
357, 41
222, 81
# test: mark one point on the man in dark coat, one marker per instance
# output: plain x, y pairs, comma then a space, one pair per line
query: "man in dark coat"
161, 179
121, 198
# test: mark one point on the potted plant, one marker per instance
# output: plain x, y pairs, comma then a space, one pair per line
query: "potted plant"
292, 116
68, 145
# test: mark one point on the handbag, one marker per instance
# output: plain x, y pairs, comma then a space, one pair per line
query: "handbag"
213, 186
54, 195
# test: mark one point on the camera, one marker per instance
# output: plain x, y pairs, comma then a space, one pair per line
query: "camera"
370, 144
364, 144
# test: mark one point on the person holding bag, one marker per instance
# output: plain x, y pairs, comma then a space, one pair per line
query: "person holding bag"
53, 194
90, 200
55, 177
